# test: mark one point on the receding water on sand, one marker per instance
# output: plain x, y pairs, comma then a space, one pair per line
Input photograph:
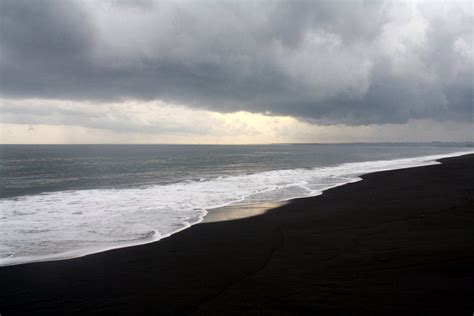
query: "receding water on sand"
230, 213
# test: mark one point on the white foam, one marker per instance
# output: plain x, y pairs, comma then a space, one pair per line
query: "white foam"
67, 224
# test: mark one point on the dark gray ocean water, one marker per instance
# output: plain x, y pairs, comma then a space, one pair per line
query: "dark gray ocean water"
61, 201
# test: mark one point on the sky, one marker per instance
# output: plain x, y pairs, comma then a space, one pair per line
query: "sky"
236, 72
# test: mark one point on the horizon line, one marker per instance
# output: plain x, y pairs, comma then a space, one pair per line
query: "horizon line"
245, 144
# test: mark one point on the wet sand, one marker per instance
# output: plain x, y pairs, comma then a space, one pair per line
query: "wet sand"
398, 242
228, 213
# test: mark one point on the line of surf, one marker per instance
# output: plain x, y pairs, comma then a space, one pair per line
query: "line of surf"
295, 183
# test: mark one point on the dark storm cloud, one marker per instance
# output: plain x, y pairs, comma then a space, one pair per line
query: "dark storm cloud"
351, 62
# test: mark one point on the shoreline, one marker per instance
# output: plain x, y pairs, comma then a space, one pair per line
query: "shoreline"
399, 241
232, 212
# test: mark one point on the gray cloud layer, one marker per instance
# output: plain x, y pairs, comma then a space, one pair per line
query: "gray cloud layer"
353, 62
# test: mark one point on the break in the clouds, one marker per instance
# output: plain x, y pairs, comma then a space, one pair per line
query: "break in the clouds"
320, 62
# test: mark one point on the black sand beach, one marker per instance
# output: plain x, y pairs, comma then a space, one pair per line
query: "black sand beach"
398, 242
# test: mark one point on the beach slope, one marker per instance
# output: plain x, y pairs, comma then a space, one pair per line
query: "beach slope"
398, 242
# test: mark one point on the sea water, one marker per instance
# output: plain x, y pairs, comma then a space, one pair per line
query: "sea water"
65, 201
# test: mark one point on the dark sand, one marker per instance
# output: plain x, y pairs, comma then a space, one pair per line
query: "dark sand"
399, 242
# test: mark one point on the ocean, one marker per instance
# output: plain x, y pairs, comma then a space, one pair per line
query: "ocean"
65, 201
